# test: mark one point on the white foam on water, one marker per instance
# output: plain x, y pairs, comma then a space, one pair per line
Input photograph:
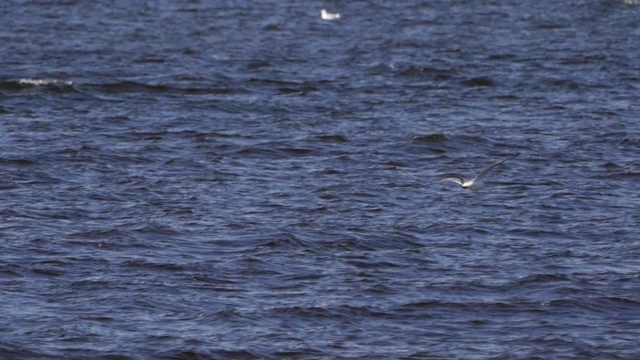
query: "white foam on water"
41, 82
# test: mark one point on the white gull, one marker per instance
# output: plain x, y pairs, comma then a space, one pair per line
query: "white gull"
477, 183
325, 15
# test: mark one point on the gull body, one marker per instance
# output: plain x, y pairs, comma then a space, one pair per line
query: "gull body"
325, 15
477, 182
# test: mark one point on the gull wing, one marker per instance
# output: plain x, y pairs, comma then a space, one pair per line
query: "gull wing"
458, 181
490, 167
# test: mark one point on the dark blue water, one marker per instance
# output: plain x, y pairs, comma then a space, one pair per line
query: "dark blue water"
230, 179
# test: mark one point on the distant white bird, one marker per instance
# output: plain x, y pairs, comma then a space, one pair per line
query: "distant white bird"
476, 183
325, 15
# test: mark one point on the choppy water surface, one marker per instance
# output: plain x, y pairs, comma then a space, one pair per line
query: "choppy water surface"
227, 179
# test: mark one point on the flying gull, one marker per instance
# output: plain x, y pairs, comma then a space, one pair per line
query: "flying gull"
476, 183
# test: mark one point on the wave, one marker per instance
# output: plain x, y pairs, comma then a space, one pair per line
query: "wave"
44, 82
56, 85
